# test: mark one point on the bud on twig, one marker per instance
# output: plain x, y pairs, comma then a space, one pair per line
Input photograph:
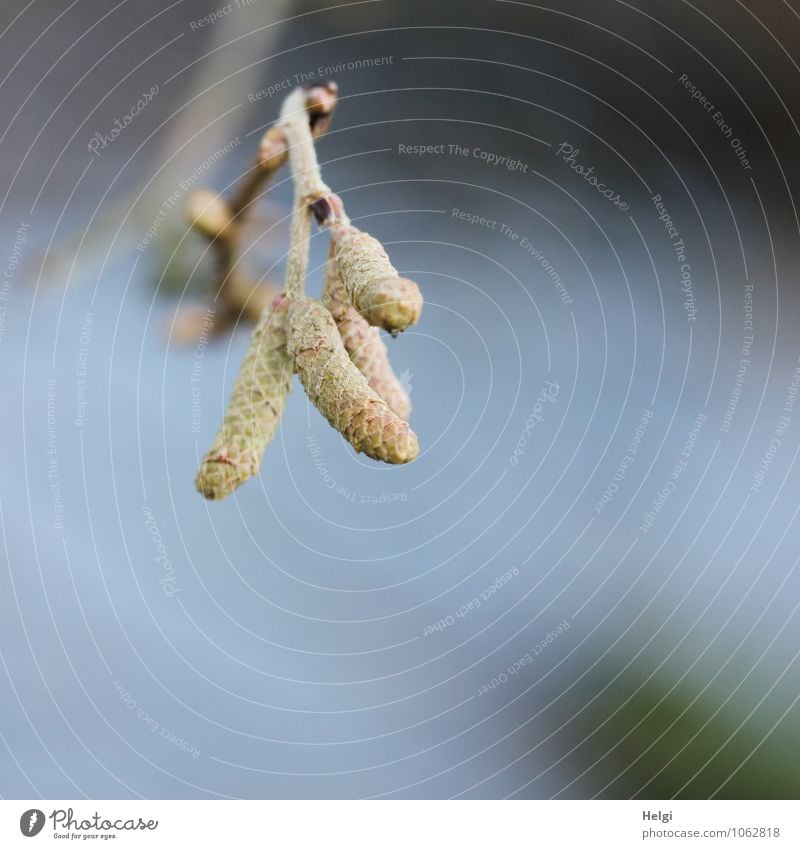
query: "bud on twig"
319, 102
207, 212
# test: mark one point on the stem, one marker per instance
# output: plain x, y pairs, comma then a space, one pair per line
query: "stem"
307, 118
249, 187
308, 188
302, 155
297, 259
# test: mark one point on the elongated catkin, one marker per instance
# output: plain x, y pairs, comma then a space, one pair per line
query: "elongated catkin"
372, 283
339, 390
255, 408
364, 344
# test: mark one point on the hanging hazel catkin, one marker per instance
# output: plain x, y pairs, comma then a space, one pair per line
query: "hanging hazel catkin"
363, 343
339, 390
372, 283
254, 410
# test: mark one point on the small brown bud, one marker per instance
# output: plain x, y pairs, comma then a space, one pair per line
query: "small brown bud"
272, 149
322, 210
321, 100
207, 212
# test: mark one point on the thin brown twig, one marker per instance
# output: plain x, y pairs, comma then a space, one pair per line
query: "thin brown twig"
236, 294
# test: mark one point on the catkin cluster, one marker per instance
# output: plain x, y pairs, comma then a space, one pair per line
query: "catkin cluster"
333, 344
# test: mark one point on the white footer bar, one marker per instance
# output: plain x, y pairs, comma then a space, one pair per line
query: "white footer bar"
401, 824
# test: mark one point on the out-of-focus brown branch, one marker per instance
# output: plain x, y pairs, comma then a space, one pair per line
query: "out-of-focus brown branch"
236, 295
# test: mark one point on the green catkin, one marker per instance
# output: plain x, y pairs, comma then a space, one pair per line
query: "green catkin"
372, 283
339, 390
363, 343
255, 408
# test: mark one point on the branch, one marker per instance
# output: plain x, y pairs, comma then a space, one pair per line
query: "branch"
341, 361
222, 221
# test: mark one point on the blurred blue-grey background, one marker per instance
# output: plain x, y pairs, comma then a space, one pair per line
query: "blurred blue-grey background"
587, 583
